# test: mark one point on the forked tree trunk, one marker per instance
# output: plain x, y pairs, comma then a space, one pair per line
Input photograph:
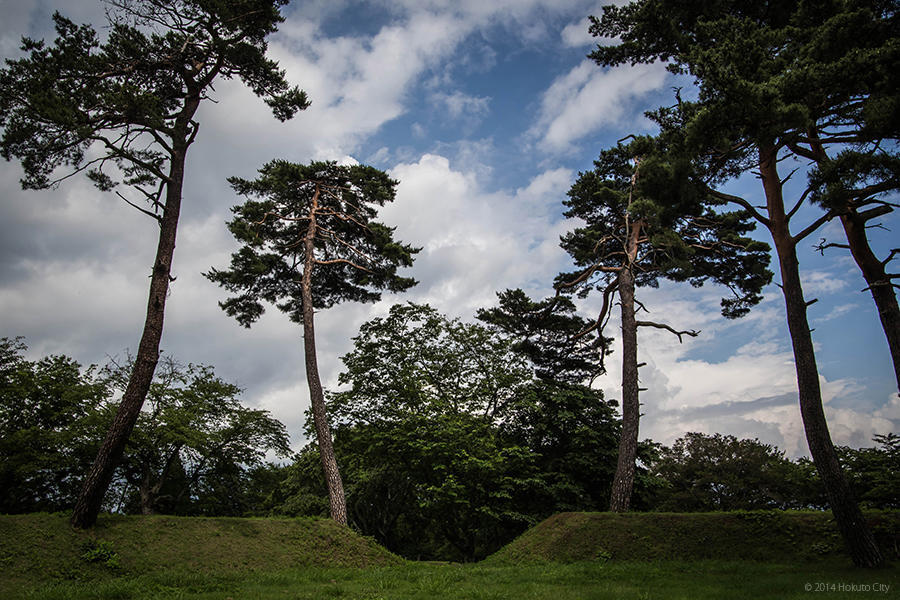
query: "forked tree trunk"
337, 501
623, 482
93, 490
878, 281
853, 527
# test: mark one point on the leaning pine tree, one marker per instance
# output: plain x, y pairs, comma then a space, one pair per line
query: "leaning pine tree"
123, 112
644, 221
309, 242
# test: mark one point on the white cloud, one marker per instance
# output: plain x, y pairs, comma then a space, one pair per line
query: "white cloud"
821, 282
588, 98
749, 390
79, 259
476, 242
458, 104
576, 35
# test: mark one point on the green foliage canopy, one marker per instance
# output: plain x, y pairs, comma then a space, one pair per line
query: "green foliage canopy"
194, 450
416, 360
723, 473
354, 254
48, 428
194, 443
120, 109
548, 333
684, 234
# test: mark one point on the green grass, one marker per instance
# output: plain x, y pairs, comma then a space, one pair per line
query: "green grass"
696, 580
772, 536
574, 555
41, 547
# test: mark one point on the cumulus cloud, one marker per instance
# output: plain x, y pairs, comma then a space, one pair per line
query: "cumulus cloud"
588, 98
74, 262
475, 242
749, 390
576, 35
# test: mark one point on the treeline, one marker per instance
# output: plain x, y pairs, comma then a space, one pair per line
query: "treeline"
450, 439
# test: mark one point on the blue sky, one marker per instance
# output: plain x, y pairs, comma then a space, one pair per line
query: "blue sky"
485, 112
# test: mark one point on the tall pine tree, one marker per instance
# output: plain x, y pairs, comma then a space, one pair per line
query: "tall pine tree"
782, 80
310, 241
123, 112
645, 221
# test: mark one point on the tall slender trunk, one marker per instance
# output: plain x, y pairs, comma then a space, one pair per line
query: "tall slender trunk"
336, 499
878, 282
852, 525
93, 490
623, 482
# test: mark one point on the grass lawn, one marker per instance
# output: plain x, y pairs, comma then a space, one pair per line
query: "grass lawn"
694, 580
569, 556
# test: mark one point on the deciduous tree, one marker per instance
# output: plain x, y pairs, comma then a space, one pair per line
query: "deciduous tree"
720, 472
309, 242
123, 112
49, 428
193, 433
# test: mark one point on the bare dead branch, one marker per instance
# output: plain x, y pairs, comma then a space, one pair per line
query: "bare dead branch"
641, 306
890, 257
878, 211
679, 334
152, 215
789, 175
799, 203
822, 246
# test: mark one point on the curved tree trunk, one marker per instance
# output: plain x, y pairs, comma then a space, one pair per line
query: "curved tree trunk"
93, 490
878, 281
853, 527
336, 499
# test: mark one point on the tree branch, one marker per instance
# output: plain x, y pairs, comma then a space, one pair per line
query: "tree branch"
691, 333
740, 202
894, 252
152, 215
873, 213
814, 225
335, 261
822, 246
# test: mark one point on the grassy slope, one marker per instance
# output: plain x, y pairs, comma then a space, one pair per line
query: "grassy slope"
652, 556
782, 537
42, 547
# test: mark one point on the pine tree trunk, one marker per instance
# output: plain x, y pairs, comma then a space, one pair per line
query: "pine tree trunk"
93, 490
336, 499
854, 529
623, 482
879, 284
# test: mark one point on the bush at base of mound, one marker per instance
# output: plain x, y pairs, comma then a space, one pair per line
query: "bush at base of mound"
42, 547
774, 536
